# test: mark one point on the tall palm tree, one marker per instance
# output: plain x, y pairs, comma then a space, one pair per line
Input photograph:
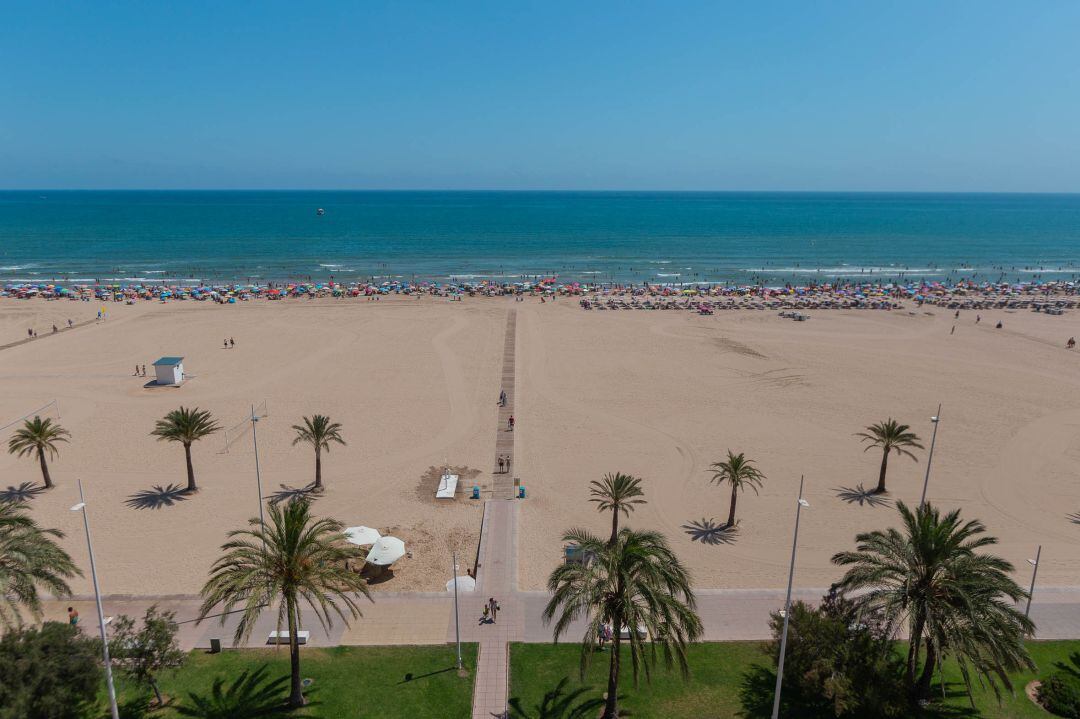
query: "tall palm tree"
292, 557
38, 436
319, 432
619, 493
637, 581
889, 435
955, 600
186, 426
29, 558
740, 472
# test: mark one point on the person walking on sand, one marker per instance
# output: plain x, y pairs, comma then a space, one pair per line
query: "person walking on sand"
1071, 343
144, 370
225, 343
232, 343
136, 370
73, 616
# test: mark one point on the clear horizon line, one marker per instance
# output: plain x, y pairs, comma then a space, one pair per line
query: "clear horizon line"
541, 190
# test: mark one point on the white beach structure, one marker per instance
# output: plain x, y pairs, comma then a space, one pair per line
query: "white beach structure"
447, 486
169, 370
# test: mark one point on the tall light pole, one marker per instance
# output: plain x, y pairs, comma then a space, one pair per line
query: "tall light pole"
258, 477
787, 602
1035, 570
81, 507
936, 419
457, 618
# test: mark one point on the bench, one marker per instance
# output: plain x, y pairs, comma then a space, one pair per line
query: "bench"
302, 637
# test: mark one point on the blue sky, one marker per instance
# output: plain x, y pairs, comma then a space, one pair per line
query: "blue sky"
865, 95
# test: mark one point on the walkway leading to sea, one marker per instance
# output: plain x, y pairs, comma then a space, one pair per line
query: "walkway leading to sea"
496, 569
59, 331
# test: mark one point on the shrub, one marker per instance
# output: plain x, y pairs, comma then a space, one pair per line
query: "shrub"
1060, 695
47, 673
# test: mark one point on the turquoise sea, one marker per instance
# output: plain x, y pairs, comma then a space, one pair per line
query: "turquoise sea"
153, 236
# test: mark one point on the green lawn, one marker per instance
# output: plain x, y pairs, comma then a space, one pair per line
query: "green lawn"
713, 691
349, 682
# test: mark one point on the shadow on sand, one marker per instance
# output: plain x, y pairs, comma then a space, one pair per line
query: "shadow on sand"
1074, 518
289, 494
23, 493
707, 531
862, 496
157, 497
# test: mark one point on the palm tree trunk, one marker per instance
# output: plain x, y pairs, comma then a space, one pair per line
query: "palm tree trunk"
614, 526
190, 470
881, 477
914, 643
296, 693
318, 470
922, 691
611, 704
44, 469
731, 511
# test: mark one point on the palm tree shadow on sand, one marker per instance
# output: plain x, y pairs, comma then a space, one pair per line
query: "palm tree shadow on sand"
708, 531
289, 494
157, 497
561, 704
860, 495
1074, 518
23, 493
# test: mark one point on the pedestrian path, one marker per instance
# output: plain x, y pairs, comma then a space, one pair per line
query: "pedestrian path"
496, 571
59, 331
502, 486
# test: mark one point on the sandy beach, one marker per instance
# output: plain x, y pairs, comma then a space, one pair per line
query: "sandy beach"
659, 395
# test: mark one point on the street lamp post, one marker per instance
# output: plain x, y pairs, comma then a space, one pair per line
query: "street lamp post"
258, 476
1034, 571
81, 507
787, 602
936, 419
457, 617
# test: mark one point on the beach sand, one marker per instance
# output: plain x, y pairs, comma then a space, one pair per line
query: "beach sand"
657, 394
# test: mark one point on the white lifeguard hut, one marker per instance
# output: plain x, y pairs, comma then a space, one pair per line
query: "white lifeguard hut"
169, 370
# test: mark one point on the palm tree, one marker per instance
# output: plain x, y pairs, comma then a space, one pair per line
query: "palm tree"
291, 558
889, 435
739, 472
29, 558
956, 601
618, 492
637, 581
319, 432
38, 436
186, 426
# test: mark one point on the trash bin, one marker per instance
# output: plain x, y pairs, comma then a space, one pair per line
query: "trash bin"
215, 645
521, 492
476, 491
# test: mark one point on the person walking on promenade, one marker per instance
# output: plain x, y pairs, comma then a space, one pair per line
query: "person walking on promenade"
508, 463
500, 464
510, 424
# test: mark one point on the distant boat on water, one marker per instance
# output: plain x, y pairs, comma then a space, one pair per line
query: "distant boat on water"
320, 211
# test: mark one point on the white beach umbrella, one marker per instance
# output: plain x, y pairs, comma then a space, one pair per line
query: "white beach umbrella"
386, 551
464, 584
362, 535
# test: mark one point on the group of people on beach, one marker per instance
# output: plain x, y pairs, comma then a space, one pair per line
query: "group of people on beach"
139, 373
504, 463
